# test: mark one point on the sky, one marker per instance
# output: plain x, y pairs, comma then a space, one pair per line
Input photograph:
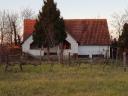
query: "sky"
72, 9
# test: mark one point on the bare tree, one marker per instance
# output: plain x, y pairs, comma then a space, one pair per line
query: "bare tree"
27, 13
9, 32
13, 19
3, 26
118, 20
9, 27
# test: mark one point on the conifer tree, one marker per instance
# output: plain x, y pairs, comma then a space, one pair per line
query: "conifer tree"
49, 28
123, 39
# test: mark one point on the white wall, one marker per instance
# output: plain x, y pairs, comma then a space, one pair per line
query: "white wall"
26, 44
81, 50
66, 52
92, 50
37, 52
74, 44
26, 48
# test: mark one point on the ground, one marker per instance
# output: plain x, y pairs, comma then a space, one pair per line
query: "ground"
43, 80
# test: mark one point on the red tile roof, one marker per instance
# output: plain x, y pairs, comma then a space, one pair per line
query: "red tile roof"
84, 31
28, 28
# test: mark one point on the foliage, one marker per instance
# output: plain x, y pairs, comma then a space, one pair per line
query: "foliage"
113, 49
49, 28
123, 39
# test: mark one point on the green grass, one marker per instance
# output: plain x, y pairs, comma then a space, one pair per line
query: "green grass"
85, 80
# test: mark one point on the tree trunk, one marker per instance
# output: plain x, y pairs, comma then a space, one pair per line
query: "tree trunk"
124, 61
2, 36
15, 35
19, 40
41, 54
61, 53
48, 54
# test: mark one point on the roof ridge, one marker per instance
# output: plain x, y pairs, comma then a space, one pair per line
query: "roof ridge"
70, 19
86, 19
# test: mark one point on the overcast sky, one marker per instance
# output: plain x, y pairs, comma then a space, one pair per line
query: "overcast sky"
72, 8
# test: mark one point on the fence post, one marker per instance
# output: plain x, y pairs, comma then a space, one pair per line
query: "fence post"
124, 61
69, 58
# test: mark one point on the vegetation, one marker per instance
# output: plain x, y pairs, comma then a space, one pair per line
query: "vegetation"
11, 24
49, 28
123, 39
117, 22
85, 80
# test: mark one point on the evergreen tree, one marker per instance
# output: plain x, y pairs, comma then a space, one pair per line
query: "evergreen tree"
123, 39
49, 28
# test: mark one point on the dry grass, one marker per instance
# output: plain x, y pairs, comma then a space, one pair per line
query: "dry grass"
60, 80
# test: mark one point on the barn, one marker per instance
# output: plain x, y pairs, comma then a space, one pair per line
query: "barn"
85, 37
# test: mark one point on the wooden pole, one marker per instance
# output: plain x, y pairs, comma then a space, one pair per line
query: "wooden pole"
7, 63
124, 61
117, 56
69, 59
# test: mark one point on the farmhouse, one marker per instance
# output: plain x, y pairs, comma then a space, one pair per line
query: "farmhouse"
85, 37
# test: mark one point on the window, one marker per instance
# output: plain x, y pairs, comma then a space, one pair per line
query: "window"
66, 45
34, 46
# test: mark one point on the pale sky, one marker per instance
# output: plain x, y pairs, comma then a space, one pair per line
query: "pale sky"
75, 9
72, 8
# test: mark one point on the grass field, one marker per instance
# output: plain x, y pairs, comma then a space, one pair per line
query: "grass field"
85, 80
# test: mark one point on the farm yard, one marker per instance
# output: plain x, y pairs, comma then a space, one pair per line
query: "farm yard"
47, 54
64, 80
